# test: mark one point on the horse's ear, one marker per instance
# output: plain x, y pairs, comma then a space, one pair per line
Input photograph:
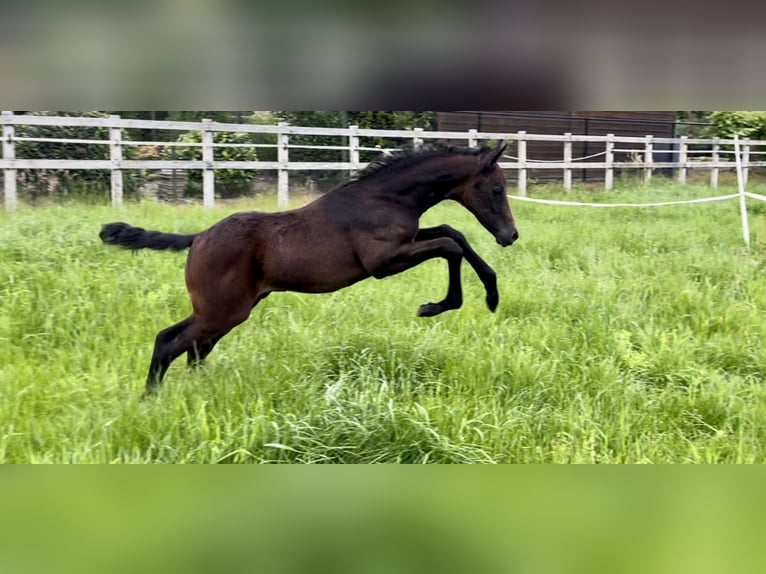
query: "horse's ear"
488, 159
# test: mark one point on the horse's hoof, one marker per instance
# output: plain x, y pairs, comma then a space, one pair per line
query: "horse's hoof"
430, 309
492, 300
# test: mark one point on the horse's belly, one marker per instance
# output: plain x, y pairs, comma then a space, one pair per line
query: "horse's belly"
314, 274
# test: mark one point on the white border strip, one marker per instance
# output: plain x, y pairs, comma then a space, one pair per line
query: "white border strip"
655, 204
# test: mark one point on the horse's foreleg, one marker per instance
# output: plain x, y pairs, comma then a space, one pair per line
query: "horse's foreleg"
411, 254
486, 274
454, 297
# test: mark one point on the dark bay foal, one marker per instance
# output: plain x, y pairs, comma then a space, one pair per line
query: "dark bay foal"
367, 227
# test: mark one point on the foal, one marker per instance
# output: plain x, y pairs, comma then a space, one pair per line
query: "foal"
367, 227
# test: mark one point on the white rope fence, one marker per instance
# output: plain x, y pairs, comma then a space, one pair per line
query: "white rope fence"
742, 195
513, 157
652, 204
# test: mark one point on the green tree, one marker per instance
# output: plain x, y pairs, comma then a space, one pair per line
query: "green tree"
746, 124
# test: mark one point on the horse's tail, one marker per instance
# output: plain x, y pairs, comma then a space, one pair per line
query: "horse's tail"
136, 238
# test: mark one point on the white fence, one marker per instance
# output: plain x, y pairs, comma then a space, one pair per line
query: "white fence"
637, 153
742, 195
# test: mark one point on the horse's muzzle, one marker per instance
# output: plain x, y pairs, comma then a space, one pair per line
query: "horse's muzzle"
507, 237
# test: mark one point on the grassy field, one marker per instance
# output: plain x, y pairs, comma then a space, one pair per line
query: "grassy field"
622, 335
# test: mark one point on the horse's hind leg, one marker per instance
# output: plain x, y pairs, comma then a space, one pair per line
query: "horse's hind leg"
199, 351
196, 331
181, 338
169, 344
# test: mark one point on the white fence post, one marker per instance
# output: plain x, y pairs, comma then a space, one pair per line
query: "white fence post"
745, 160
417, 138
682, 154
716, 158
568, 162
648, 159
609, 158
473, 138
742, 197
115, 154
283, 182
9, 175
208, 173
353, 147
522, 153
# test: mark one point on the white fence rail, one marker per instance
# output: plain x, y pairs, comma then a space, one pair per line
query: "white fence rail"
619, 152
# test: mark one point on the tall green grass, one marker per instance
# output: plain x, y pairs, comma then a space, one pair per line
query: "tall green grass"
622, 335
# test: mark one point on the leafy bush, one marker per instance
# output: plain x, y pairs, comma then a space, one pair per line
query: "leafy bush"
727, 124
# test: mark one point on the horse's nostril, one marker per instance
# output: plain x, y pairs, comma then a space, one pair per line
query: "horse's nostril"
505, 239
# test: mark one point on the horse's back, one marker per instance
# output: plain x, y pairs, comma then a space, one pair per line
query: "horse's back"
298, 250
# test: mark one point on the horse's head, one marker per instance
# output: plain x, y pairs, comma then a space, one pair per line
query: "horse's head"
484, 195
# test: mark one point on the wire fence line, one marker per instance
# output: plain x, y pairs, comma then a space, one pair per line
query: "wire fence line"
615, 156
742, 194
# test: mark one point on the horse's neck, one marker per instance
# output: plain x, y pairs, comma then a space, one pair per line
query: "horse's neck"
427, 187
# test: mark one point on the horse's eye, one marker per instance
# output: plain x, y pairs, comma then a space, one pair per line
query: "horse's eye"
497, 190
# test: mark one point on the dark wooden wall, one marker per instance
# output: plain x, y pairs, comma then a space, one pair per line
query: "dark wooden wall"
637, 124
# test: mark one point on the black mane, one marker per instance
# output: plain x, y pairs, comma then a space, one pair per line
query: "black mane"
411, 157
